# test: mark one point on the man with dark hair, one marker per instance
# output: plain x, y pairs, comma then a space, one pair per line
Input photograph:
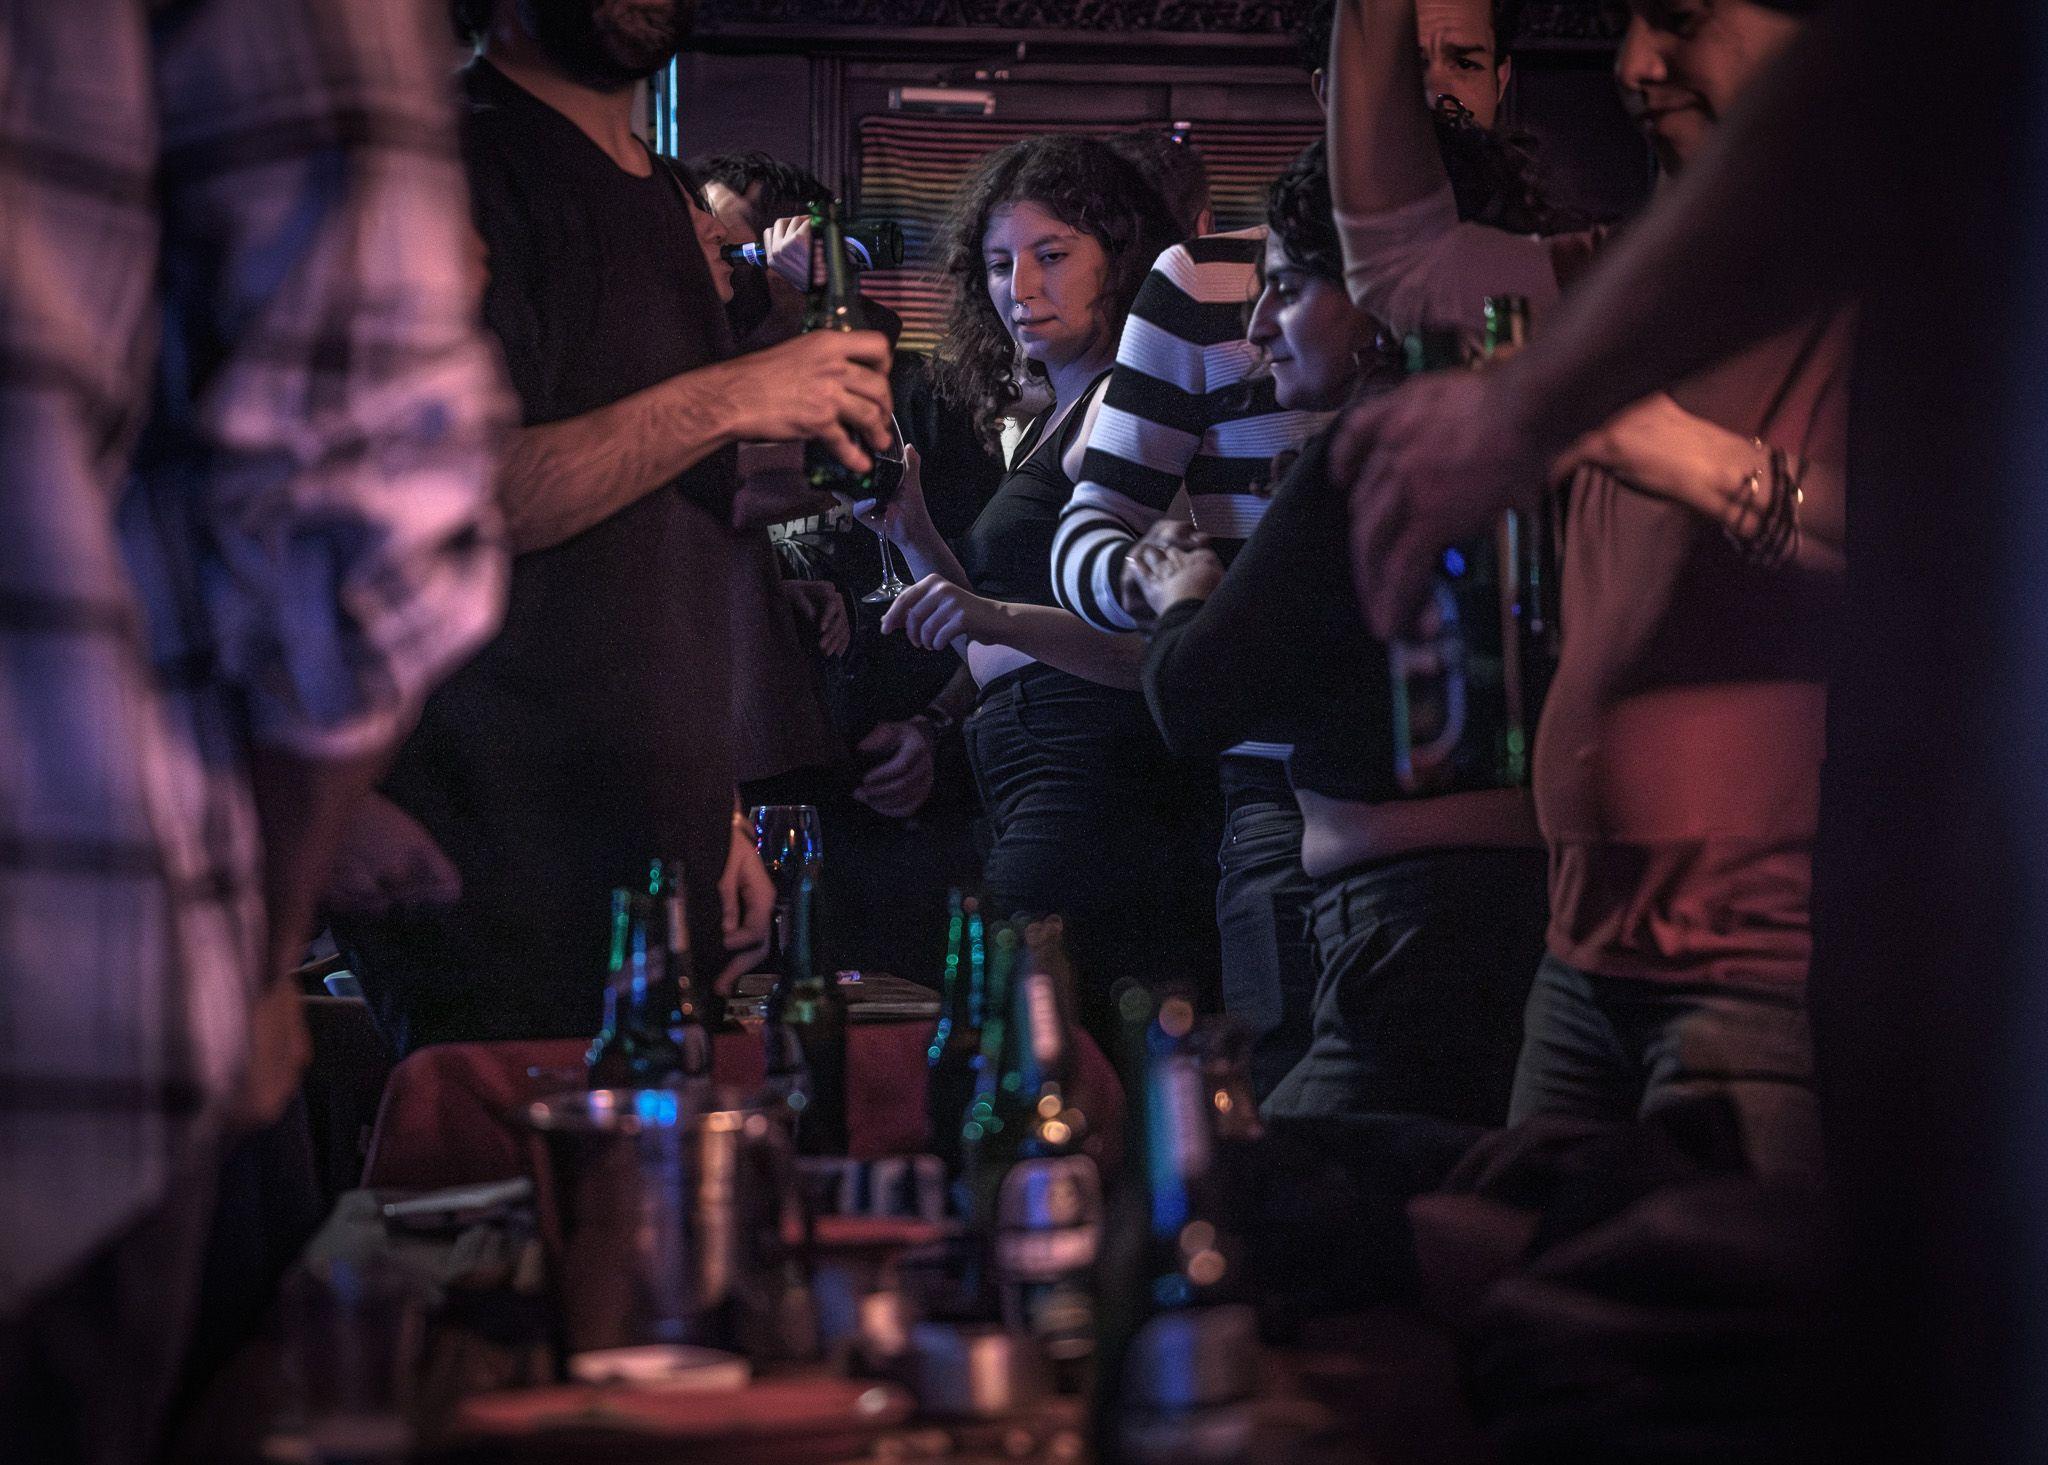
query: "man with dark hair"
596, 731
1174, 166
1464, 45
751, 190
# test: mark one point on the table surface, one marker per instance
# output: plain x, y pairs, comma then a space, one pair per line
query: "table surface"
447, 1117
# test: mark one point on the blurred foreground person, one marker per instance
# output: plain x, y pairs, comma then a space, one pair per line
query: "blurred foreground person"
1677, 765
1879, 156
219, 607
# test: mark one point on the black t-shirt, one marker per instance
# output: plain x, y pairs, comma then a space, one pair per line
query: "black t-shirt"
595, 731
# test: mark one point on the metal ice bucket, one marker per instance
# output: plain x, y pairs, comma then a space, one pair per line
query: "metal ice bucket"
657, 1211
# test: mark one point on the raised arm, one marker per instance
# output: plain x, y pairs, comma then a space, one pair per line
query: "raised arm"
1407, 259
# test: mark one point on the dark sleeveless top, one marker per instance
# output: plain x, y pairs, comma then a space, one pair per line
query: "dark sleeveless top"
1008, 550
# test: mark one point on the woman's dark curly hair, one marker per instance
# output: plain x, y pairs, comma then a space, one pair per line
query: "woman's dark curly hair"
1084, 184
1298, 211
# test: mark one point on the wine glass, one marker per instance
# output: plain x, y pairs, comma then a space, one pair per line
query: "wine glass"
889, 468
792, 844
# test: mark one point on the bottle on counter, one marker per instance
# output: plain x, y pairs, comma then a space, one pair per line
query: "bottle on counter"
697, 1012
956, 1041
634, 1048
804, 1030
1178, 1346
1036, 1194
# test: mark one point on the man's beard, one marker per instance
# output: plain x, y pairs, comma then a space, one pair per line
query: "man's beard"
608, 44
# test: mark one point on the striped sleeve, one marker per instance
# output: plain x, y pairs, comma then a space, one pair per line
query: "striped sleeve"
1163, 401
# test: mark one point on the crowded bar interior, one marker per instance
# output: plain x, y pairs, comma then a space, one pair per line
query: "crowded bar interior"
796, 732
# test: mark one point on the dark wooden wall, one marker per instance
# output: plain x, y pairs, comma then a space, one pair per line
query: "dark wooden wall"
791, 76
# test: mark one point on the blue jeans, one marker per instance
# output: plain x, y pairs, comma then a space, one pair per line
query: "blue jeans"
1262, 909
1425, 967
1617, 1048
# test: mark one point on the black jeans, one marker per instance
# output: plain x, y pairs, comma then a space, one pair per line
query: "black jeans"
1425, 969
1262, 916
1616, 1048
1093, 821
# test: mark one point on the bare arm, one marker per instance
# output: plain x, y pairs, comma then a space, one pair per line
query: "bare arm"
1771, 224
1659, 448
1408, 261
1383, 152
561, 478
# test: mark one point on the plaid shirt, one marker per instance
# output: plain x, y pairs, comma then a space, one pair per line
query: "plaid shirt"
247, 421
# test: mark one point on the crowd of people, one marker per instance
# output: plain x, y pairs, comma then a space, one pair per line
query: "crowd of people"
408, 534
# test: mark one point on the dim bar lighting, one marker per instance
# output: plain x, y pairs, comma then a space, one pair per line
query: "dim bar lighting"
943, 101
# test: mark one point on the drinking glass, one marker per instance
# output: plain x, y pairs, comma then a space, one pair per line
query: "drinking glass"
353, 1333
888, 476
792, 844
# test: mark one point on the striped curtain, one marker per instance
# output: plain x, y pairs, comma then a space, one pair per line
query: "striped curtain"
911, 166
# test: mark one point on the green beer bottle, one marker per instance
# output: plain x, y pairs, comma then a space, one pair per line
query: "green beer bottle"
633, 1050
833, 304
1037, 1194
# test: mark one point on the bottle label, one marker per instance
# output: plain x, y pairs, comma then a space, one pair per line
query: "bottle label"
1049, 1218
1186, 1116
1045, 1018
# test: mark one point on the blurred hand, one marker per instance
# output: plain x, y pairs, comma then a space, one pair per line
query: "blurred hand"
1176, 534
280, 1047
827, 386
1166, 576
935, 612
900, 780
822, 609
746, 903
787, 245
388, 862
1425, 467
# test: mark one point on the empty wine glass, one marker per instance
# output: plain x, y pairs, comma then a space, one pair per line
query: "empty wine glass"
889, 469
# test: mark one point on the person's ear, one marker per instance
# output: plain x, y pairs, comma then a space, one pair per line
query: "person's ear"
1205, 221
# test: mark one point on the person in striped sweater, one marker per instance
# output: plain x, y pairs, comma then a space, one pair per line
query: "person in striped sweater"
1185, 409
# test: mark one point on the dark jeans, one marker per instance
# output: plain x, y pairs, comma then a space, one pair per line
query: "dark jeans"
1616, 1048
1262, 910
87, 1372
1093, 821
1425, 968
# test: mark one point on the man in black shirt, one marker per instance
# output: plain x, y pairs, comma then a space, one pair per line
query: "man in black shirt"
595, 732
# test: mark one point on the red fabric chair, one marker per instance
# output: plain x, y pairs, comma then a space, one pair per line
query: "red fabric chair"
448, 1116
